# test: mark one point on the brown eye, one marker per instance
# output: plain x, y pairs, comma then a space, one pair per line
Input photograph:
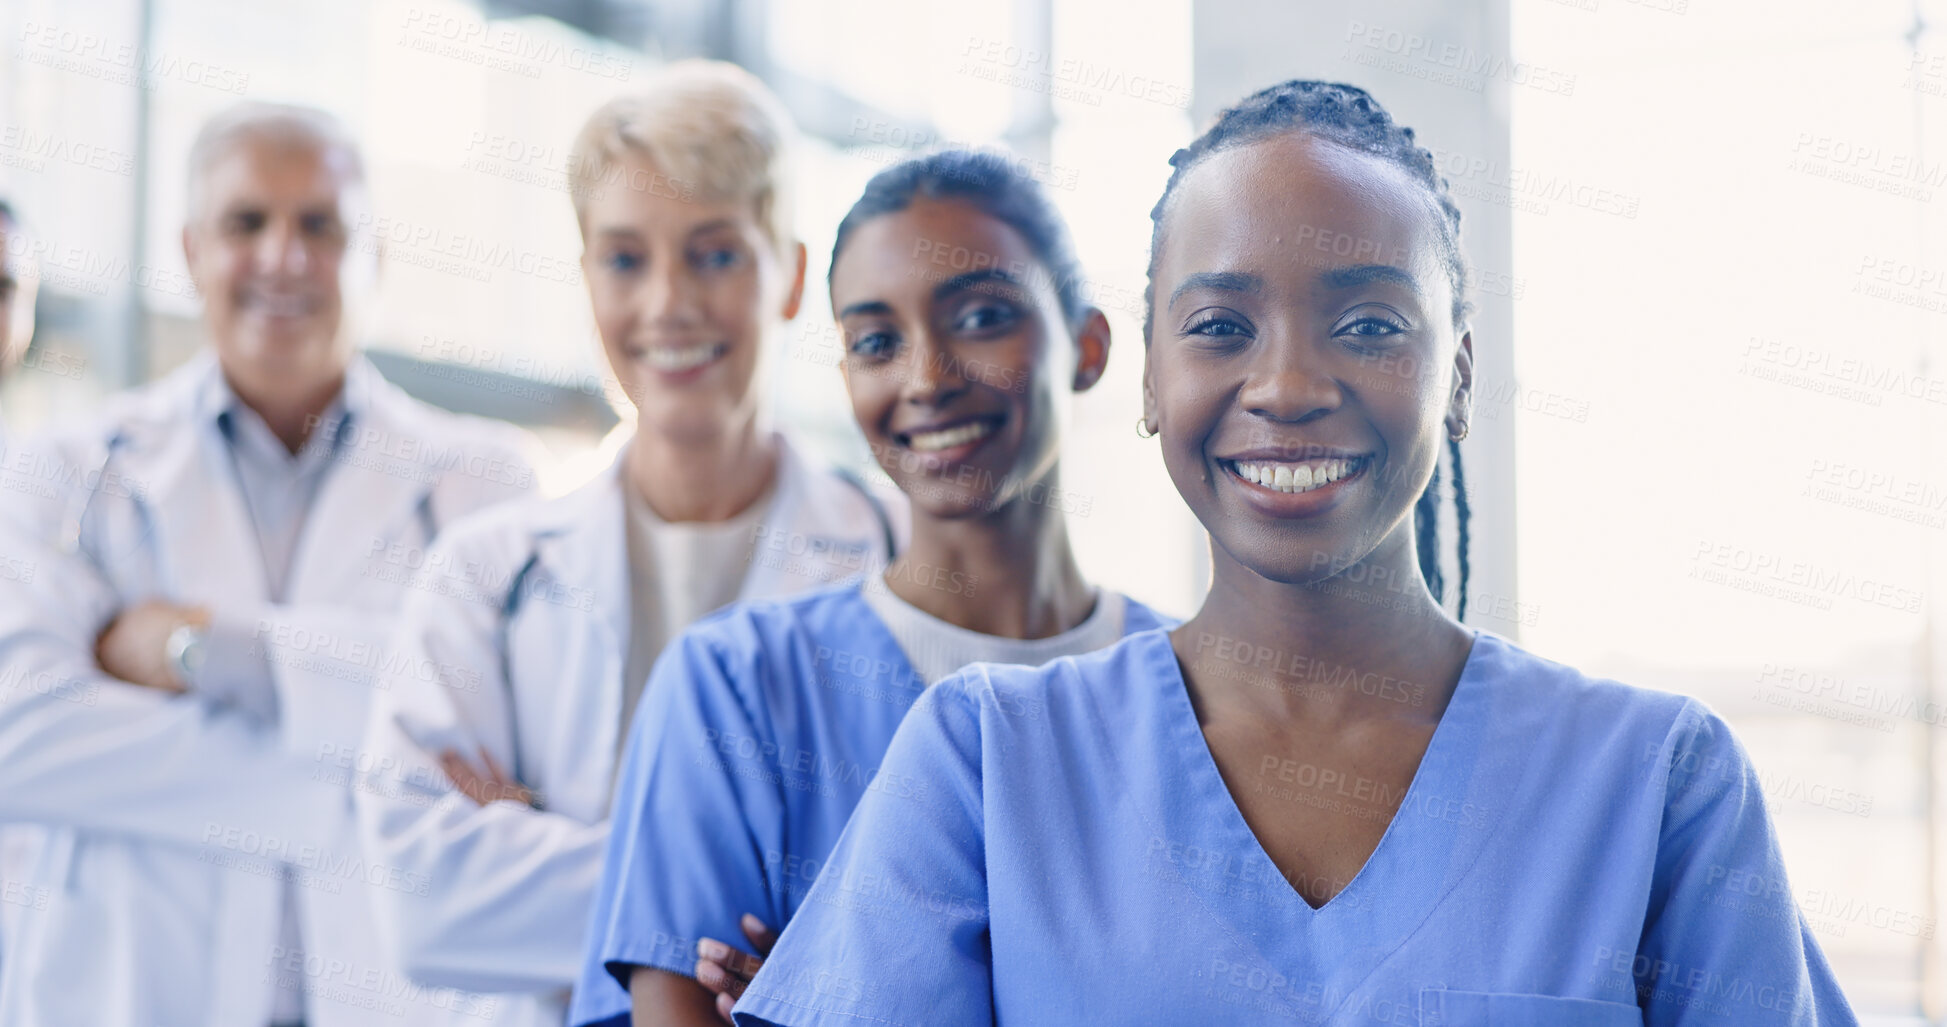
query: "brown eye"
244, 222
985, 317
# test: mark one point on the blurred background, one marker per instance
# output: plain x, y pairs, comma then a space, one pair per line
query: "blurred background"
1710, 452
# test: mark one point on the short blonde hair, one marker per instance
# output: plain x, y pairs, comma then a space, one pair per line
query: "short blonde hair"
712, 131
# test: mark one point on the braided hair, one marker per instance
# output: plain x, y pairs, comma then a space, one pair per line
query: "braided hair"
1350, 117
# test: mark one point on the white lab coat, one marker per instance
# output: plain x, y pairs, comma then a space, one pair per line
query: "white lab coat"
531, 670
168, 820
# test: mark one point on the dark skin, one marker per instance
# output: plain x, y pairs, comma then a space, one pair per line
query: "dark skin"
1270, 345
936, 353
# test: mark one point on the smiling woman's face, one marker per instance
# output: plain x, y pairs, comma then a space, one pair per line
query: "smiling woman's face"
949, 361
1303, 365
683, 291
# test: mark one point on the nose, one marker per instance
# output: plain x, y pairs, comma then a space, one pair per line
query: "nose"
281, 249
931, 374
1289, 380
667, 296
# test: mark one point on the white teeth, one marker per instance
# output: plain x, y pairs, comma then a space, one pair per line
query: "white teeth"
1298, 477
681, 358
280, 306
959, 435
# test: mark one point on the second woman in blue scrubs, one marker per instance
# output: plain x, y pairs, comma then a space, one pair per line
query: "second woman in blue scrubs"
960, 303
1322, 799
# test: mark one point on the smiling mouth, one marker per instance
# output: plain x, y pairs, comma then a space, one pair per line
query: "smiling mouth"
1292, 477
677, 359
279, 306
937, 439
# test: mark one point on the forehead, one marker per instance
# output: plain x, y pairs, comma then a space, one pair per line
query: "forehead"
258, 168
1294, 204
635, 195
930, 241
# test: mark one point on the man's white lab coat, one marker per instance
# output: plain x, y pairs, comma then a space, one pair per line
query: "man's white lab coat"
168, 822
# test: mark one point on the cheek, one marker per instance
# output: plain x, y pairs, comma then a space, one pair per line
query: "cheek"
871, 396
219, 267
735, 302
1019, 368
1188, 400
611, 304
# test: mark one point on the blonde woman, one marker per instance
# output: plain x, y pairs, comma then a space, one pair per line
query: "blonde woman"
490, 764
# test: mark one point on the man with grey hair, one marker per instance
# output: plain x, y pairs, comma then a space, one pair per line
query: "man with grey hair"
185, 676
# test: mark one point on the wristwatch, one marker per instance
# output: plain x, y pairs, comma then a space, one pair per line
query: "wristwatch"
185, 651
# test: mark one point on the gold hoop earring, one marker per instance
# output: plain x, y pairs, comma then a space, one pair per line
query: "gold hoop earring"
1464, 428
1143, 430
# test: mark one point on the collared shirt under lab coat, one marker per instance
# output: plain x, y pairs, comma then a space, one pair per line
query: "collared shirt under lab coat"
523, 628
171, 820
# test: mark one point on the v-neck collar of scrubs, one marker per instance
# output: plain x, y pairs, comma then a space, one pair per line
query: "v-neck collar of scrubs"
1432, 841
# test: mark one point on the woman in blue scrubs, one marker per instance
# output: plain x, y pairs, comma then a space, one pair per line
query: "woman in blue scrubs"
1322, 799
763, 726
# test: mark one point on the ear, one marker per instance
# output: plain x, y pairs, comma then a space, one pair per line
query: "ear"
1460, 407
796, 298
1091, 349
1149, 390
189, 252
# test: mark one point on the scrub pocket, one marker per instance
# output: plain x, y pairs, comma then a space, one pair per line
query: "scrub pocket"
1442, 1008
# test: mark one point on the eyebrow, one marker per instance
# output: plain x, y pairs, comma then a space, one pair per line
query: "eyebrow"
629, 232
1367, 274
872, 307
1221, 281
971, 281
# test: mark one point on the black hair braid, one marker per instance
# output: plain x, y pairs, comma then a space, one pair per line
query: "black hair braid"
1426, 534
1460, 514
1348, 116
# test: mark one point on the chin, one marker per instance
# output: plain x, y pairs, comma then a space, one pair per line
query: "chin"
684, 417
1298, 564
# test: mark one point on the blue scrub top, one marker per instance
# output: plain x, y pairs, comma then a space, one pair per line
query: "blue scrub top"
1571, 851
761, 728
